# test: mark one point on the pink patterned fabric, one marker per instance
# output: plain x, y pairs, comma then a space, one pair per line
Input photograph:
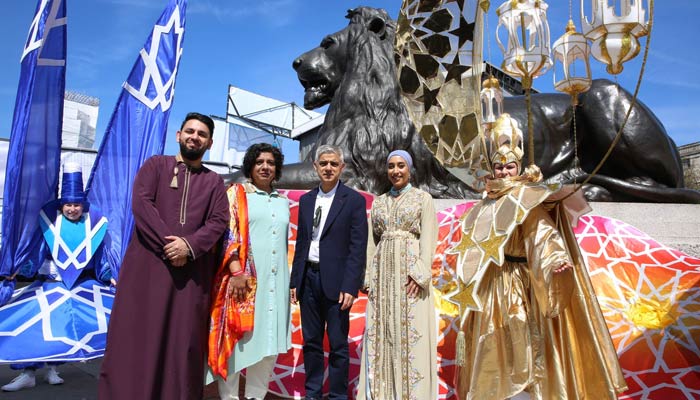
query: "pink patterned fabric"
649, 294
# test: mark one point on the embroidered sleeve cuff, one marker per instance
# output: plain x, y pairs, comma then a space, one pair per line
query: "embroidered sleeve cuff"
189, 248
422, 281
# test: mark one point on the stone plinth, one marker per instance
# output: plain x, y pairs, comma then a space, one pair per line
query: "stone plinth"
675, 225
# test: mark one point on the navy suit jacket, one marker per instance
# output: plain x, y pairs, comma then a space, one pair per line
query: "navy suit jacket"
342, 246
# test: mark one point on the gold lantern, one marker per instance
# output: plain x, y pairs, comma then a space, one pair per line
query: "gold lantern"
527, 52
614, 38
572, 52
491, 102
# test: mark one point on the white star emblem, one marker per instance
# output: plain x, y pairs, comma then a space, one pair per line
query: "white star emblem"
34, 42
164, 90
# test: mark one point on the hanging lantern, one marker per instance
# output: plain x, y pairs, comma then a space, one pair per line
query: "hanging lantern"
572, 52
614, 38
491, 101
527, 52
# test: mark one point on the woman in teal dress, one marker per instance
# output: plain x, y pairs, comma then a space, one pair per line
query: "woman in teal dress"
252, 285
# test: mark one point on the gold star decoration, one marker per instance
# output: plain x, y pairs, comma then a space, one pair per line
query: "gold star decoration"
461, 249
465, 298
492, 247
465, 243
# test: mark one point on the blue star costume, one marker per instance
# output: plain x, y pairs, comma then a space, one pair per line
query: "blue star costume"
63, 315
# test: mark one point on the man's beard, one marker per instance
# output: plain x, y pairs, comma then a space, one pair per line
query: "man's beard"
191, 154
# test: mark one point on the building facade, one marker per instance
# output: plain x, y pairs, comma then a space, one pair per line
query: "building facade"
690, 157
79, 120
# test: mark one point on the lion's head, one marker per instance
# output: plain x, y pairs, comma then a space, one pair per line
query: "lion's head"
322, 70
353, 70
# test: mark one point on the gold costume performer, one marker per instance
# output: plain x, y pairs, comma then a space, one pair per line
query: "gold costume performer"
533, 325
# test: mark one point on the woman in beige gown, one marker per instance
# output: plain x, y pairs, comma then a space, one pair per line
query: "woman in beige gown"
533, 328
399, 353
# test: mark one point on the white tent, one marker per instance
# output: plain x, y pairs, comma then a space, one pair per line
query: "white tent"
273, 116
253, 118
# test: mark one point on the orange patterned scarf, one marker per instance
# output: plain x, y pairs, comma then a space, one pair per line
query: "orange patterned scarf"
230, 319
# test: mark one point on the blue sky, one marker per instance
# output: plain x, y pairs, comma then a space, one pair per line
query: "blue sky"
252, 43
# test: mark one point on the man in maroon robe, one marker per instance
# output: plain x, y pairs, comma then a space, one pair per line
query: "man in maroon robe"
156, 345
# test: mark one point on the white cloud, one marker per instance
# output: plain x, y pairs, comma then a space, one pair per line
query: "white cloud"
677, 81
680, 121
135, 3
273, 12
674, 60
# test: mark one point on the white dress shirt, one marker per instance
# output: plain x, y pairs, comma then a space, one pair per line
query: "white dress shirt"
323, 200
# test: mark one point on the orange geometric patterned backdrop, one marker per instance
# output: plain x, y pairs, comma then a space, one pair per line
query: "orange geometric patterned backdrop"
649, 294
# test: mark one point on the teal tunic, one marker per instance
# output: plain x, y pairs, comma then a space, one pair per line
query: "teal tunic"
268, 215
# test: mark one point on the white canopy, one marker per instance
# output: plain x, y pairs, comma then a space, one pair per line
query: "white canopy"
267, 114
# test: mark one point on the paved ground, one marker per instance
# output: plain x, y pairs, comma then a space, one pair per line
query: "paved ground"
80, 384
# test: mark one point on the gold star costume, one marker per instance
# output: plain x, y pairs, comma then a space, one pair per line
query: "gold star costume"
526, 327
529, 327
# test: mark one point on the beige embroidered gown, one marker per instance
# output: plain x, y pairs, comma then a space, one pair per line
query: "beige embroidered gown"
399, 359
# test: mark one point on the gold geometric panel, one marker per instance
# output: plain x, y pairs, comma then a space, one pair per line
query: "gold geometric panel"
438, 51
481, 228
505, 213
492, 221
536, 194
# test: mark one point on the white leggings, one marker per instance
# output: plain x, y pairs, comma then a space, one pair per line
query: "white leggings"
257, 378
521, 396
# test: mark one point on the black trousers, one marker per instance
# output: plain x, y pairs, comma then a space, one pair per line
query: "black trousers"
319, 313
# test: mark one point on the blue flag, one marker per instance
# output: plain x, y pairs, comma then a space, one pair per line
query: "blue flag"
34, 156
137, 128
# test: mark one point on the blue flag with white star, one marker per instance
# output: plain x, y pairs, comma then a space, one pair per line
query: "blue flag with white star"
33, 159
137, 128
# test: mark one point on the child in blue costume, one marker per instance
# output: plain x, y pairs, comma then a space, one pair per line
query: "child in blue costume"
63, 315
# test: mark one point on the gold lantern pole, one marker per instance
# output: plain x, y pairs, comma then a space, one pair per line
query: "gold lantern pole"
527, 59
491, 96
569, 48
646, 32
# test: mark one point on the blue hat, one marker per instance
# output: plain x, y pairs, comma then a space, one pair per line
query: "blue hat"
72, 184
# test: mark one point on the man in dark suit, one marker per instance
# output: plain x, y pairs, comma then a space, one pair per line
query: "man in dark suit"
328, 270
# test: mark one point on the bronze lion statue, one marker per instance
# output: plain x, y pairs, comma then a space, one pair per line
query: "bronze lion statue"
353, 70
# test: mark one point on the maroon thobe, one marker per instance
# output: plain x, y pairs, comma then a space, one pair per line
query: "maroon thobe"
156, 344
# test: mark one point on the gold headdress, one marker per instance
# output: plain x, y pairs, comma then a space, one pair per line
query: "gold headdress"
506, 141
